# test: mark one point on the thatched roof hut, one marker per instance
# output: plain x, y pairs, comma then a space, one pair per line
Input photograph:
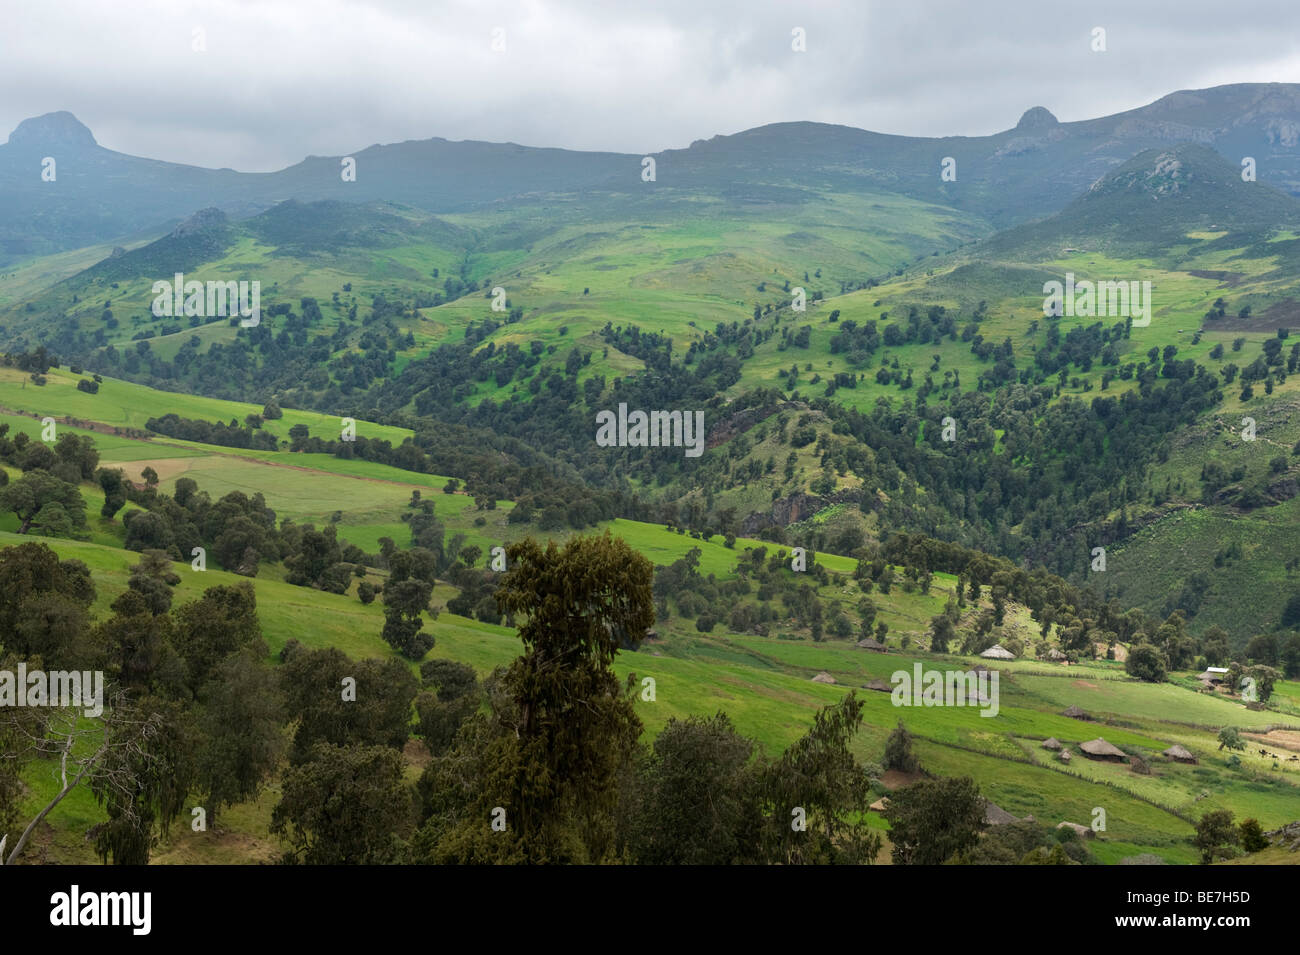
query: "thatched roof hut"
995, 815
1054, 655
869, 643
880, 685
1100, 749
998, 652
880, 805
1065, 756
823, 677
1083, 831
1214, 675
1052, 743
1180, 753
1075, 713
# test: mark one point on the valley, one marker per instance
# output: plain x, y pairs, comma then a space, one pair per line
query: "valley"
889, 454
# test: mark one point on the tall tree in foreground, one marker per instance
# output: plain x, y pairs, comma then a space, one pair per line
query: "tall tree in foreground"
548, 757
220, 623
451, 696
404, 602
934, 819
103, 754
45, 608
113, 482
242, 727
1216, 836
816, 795
146, 783
690, 799
344, 702
346, 805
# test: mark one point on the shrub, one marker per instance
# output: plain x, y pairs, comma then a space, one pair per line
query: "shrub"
1215, 835
1146, 663
1252, 836
898, 751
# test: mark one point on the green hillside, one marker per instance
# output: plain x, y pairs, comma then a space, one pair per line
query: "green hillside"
763, 683
905, 458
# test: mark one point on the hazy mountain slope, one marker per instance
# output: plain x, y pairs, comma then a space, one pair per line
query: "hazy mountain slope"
1026, 172
1150, 204
679, 265
389, 308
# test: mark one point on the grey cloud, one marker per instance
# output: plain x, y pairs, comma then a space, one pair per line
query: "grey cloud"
290, 78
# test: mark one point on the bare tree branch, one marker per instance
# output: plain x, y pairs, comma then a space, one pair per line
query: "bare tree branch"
122, 734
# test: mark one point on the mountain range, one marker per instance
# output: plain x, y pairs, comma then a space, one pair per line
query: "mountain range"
1023, 173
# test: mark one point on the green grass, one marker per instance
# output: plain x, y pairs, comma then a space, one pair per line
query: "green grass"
763, 683
765, 686
1131, 698
1053, 797
128, 405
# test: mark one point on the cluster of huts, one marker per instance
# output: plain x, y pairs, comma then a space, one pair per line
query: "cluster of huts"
1100, 749
995, 815
995, 652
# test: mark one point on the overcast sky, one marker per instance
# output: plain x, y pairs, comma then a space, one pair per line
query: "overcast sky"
282, 79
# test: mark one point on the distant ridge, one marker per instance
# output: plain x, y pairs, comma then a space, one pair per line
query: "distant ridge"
1027, 172
1171, 191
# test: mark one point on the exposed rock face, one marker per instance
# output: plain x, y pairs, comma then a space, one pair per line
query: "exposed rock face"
1279, 491
795, 508
1037, 128
1037, 117
1288, 835
738, 423
1283, 490
201, 221
1282, 132
1165, 131
52, 131
1164, 176
1226, 495
787, 510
